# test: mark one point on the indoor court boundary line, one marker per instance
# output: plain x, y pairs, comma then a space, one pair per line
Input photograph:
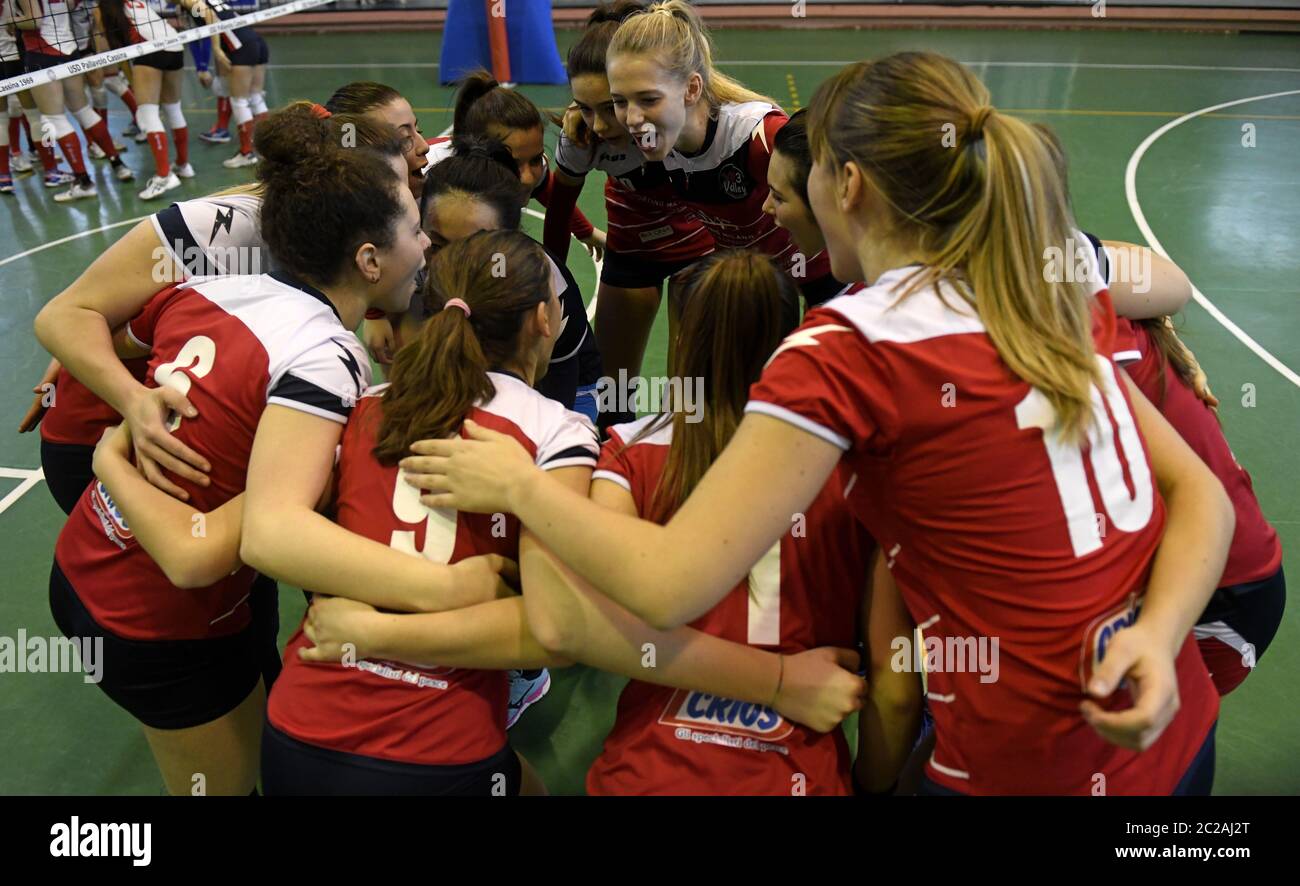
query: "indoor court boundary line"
1130, 194
29, 477
69, 239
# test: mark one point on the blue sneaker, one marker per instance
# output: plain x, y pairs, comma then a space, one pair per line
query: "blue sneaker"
526, 692
215, 136
58, 178
6, 184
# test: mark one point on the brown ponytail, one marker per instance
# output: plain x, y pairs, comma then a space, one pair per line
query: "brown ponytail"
484, 106
435, 379
738, 308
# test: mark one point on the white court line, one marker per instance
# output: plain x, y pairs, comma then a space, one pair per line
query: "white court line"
1130, 193
29, 477
69, 238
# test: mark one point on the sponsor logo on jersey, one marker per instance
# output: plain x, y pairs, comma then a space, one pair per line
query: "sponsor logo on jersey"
110, 515
1101, 634
699, 710
656, 233
732, 181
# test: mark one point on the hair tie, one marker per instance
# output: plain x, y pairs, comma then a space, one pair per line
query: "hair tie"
457, 303
978, 119
320, 111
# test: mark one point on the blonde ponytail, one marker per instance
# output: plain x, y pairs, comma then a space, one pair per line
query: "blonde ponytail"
977, 194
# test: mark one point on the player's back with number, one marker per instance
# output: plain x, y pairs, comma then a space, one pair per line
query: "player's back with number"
802, 594
231, 345
449, 716
1019, 554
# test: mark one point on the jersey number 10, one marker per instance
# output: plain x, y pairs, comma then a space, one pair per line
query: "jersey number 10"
1127, 511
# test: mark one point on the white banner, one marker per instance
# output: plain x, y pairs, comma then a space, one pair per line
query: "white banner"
126, 53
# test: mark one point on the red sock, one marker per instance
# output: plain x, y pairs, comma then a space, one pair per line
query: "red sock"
246, 137
258, 118
128, 99
223, 112
48, 160
71, 146
158, 145
27, 128
182, 139
99, 135
15, 133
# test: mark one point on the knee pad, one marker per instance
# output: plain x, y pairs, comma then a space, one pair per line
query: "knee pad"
239, 111
172, 113
52, 126
88, 117
117, 84
257, 101
148, 118
15, 106
99, 96
219, 87
4, 129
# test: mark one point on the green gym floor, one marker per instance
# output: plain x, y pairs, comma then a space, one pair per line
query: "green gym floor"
1220, 190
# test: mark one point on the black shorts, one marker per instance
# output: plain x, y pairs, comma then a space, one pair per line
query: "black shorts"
295, 768
252, 51
68, 471
163, 61
11, 69
166, 684
633, 272
39, 61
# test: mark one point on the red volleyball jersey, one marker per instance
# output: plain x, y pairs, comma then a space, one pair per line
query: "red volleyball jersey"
644, 214
1255, 553
1018, 554
804, 593
392, 710
206, 236
725, 184
232, 345
76, 416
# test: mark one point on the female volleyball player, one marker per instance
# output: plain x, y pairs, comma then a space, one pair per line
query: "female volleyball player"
158, 87
258, 358
738, 307
384, 104
49, 42
245, 55
956, 337
651, 236
712, 135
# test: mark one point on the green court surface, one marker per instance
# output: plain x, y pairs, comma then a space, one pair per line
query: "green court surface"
1225, 206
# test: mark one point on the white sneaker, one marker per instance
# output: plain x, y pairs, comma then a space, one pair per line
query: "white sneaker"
239, 160
184, 171
138, 136
158, 186
96, 152
20, 163
123, 173
78, 191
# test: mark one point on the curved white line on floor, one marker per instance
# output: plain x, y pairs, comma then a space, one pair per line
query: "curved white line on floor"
1130, 193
